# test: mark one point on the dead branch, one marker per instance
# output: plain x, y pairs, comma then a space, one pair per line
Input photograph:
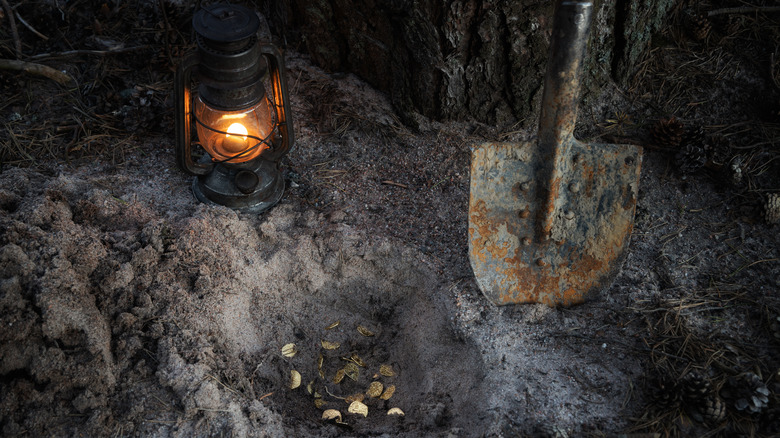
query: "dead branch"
38, 69
30, 28
86, 52
743, 10
12, 24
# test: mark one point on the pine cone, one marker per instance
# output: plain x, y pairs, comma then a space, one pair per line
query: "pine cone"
695, 135
736, 170
695, 387
709, 410
747, 393
665, 393
690, 158
668, 133
772, 209
699, 26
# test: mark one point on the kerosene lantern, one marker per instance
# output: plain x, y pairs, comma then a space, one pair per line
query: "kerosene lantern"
244, 131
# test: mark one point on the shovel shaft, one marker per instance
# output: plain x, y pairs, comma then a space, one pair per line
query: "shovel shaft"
559, 102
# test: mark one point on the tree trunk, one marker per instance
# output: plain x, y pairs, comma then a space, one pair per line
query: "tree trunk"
456, 59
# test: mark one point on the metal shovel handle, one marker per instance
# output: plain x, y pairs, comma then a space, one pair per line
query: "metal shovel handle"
559, 102
562, 81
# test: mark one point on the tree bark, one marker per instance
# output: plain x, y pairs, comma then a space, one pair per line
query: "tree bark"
458, 59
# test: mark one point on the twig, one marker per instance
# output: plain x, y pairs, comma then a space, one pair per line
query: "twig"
393, 183
86, 52
743, 10
38, 69
12, 24
32, 29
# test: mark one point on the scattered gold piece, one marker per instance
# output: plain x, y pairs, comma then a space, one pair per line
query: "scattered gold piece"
358, 361
330, 345
374, 389
317, 394
364, 331
357, 407
332, 326
389, 391
310, 387
319, 403
352, 371
331, 414
395, 411
339, 376
295, 379
320, 361
359, 397
322, 374
289, 350
386, 370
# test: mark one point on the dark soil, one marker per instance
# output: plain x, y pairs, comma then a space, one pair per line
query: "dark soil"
130, 309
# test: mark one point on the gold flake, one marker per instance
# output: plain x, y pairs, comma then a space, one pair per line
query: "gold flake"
295, 379
389, 391
289, 350
352, 371
375, 389
395, 411
386, 370
330, 345
339, 376
355, 397
332, 326
364, 331
358, 408
319, 403
358, 361
331, 414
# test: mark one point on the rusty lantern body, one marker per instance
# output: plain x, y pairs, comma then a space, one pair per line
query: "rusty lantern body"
244, 131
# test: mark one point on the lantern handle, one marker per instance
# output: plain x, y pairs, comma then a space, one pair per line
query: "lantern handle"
279, 84
182, 81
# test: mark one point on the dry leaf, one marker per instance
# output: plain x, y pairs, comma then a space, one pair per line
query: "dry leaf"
320, 361
332, 326
355, 397
339, 376
395, 411
295, 379
331, 414
386, 370
364, 331
310, 387
352, 371
330, 345
319, 403
322, 374
357, 407
289, 350
374, 389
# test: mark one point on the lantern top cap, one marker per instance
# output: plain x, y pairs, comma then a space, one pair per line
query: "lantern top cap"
225, 23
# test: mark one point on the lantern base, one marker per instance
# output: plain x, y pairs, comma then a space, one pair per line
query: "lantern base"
251, 187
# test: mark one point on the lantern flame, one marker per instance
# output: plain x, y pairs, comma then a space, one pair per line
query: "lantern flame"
237, 129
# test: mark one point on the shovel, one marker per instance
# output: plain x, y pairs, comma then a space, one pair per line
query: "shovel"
550, 219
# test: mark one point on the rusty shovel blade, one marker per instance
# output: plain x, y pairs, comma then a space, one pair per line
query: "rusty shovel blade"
550, 219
